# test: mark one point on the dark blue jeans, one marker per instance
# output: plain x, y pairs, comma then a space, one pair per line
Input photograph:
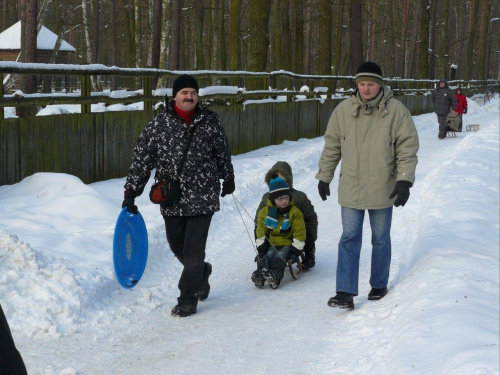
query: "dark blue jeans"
350, 248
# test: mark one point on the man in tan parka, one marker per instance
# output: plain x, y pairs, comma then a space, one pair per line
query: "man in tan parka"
375, 137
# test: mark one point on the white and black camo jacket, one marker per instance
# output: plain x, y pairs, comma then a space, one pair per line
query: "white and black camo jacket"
161, 145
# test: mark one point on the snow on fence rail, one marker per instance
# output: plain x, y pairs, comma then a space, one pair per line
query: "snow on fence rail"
243, 85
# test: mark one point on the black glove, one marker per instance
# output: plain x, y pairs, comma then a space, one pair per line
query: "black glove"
402, 190
129, 202
465, 111
294, 251
228, 186
263, 249
324, 190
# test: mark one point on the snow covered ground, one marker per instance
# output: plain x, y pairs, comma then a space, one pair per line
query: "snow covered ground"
69, 316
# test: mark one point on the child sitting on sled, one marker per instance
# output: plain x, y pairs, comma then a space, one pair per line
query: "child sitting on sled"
280, 233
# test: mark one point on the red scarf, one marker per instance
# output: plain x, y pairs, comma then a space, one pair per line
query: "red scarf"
187, 116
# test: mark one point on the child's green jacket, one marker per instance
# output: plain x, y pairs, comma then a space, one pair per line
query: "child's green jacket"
295, 236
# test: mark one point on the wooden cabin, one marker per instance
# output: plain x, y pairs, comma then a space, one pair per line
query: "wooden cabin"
10, 46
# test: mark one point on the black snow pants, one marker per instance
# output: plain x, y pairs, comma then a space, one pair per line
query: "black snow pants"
11, 362
187, 237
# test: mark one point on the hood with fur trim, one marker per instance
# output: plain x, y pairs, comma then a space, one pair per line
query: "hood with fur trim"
283, 169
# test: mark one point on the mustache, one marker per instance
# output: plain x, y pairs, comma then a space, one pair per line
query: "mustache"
188, 100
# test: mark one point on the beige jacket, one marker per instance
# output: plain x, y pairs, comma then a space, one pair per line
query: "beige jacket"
377, 143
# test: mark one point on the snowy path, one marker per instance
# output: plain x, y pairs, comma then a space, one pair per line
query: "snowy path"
440, 316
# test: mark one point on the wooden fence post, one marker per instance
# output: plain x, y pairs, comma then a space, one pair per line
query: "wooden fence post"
1, 96
85, 92
147, 92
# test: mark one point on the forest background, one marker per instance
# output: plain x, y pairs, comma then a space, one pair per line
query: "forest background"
421, 39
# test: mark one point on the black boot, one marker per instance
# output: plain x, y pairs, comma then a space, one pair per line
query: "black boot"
204, 291
309, 259
258, 279
182, 310
271, 276
376, 294
342, 300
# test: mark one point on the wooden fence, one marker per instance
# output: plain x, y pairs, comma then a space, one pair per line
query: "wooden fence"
98, 146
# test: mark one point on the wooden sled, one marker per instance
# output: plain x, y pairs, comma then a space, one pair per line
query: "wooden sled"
300, 271
451, 134
474, 127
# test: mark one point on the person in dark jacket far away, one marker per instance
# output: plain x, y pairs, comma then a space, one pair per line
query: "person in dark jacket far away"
443, 100
162, 145
461, 108
11, 362
375, 137
302, 202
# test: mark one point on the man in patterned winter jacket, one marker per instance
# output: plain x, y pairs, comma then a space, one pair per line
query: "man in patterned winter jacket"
162, 145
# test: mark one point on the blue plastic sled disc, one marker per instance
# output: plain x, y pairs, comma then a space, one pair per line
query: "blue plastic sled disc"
130, 248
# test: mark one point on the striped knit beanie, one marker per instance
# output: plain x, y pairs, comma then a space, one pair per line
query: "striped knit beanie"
369, 71
277, 188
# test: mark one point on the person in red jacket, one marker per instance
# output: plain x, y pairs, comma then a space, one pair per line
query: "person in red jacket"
461, 105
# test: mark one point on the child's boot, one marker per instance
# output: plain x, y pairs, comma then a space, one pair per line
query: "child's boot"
258, 279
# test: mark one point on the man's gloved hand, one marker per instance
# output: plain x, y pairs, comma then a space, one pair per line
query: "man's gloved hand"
228, 186
294, 251
324, 190
129, 202
465, 111
402, 190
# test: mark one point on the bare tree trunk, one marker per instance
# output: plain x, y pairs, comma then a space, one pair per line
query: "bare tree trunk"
356, 36
337, 36
165, 41
155, 45
299, 37
234, 35
286, 38
223, 44
423, 50
28, 48
483, 29
276, 55
258, 40
308, 37
469, 49
88, 43
325, 37
176, 35
114, 32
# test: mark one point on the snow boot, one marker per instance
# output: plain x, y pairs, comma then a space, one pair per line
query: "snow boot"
342, 300
271, 277
204, 291
258, 279
309, 260
182, 310
376, 294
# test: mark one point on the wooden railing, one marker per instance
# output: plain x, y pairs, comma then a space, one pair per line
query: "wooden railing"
97, 146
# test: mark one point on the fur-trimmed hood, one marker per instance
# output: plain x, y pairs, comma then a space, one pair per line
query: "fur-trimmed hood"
283, 169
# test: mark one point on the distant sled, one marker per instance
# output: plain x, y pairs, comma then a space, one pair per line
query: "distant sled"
130, 248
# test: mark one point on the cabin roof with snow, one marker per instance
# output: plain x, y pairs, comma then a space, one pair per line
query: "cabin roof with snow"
10, 39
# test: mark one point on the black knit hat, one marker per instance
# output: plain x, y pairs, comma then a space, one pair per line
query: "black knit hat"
369, 71
182, 82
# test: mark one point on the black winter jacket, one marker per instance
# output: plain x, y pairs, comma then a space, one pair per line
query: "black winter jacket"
443, 98
161, 145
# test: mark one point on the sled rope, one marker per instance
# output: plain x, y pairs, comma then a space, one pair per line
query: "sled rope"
236, 202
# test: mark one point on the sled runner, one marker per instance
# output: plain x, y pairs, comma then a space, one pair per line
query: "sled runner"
130, 248
474, 127
451, 133
298, 262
